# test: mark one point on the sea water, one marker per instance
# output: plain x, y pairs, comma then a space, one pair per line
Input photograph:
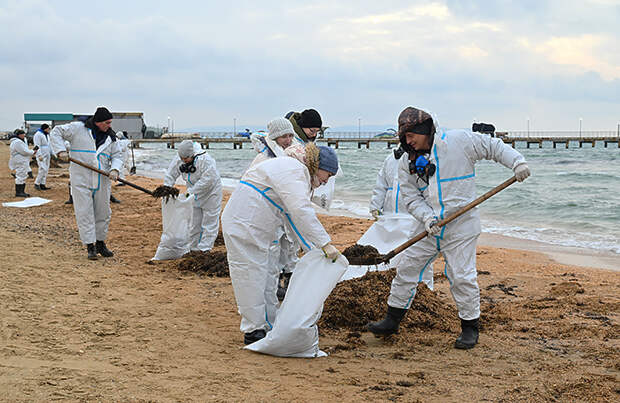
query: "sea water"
572, 198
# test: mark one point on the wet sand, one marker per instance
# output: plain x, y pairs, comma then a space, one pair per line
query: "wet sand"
127, 329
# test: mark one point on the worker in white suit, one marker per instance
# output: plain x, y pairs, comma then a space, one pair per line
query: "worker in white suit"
199, 171
44, 153
269, 193
19, 160
92, 142
437, 179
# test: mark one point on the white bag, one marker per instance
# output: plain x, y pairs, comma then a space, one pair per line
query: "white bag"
295, 333
389, 232
176, 215
323, 195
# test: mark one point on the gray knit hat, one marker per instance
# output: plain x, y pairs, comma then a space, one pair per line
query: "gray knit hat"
186, 149
328, 160
279, 127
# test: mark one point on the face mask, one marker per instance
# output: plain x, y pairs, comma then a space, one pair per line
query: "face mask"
188, 167
422, 167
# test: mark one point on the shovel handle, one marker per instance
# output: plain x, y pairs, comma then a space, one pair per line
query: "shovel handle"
448, 219
92, 168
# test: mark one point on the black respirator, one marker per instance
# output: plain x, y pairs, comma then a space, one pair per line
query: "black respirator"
422, 167
188, 168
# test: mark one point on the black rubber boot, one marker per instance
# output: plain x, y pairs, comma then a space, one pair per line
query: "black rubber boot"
70, 201
251, 337
38, 187
43, 187
283, 285
20, 191
92, 252
30, 175
103, 250
114, 199
389, 325
469, 335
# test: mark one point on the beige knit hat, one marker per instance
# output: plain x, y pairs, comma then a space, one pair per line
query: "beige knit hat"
279, 127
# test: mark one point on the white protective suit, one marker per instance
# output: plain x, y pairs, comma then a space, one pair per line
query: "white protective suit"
453, 186
124, 145
90, 190
206, 186
387, 198
283, 249
269, 193
43, 156
20, 159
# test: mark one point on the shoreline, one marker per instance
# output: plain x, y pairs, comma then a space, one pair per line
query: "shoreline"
583, 257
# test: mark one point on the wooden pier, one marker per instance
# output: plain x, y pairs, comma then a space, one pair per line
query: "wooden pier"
238, 142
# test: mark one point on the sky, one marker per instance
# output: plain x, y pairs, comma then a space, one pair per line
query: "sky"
212, 63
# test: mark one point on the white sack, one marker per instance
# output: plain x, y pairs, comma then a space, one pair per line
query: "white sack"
295, 333
176, 215
28, 202
323, 195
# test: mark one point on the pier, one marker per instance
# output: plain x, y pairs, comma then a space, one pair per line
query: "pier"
365, 139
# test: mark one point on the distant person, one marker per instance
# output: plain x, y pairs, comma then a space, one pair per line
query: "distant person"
41, 140
307, 124
437, 179
202, 179
20, 161
94, 143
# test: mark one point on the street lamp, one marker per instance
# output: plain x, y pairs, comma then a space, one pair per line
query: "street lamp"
359, 128
168, 127
528, 127
580, 120
234, 126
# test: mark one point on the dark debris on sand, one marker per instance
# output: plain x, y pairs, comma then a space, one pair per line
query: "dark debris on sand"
361, 255
165, 192
212, 263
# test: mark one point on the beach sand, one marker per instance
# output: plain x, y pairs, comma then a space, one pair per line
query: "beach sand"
127, 329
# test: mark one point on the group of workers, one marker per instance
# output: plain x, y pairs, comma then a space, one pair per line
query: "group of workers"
269, 216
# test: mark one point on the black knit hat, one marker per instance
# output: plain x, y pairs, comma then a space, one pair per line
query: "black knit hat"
310, 118
102, 114
17, 132
45, 126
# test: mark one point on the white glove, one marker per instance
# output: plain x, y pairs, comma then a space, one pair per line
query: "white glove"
63, 156
431, 227
113, 175
331, 252
522, 171
375, 214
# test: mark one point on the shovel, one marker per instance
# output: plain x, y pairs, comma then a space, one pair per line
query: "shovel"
386, 258
132, 171
92, 168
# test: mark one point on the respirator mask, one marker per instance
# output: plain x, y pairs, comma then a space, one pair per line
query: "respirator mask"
422, 167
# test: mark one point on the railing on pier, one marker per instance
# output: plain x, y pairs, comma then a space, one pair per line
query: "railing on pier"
364, 139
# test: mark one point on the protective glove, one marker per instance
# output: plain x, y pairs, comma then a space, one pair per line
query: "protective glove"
431, 227
331, 252
113, 175
522, 171
63, 156
375, 214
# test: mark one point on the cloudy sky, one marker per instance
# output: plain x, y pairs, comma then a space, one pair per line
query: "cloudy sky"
206, 63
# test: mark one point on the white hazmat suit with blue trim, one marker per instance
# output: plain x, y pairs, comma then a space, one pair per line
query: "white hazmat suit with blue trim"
203, 181
41, 140
454, 153
90, 190
274, 191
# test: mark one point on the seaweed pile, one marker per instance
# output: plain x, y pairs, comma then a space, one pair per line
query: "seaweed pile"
361, 255
212, 264
165, 192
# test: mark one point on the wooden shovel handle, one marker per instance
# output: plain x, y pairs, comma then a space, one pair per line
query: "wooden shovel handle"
92, 168
446, 220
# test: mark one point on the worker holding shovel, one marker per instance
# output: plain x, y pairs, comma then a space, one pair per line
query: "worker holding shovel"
437, 179
94, 143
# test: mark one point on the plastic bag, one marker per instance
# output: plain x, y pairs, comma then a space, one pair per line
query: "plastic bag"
176, 215
295, 333
324, 194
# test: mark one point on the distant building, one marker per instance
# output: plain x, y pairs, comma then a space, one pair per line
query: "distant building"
131, 122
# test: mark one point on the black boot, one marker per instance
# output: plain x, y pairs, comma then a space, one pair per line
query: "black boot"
103, 250
389, 325
43, 187
469, 335
20, 190
251, 337
283, 285
70, 201
36, 186
92, 252
114, 199
30, 175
